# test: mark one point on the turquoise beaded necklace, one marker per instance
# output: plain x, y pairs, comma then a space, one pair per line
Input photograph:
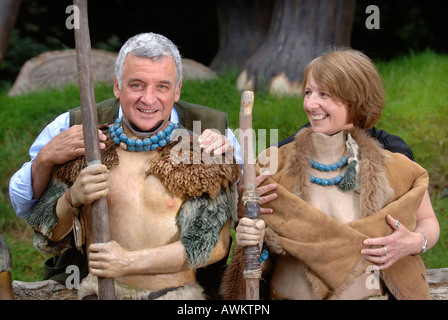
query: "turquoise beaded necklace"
327, 168
161, 137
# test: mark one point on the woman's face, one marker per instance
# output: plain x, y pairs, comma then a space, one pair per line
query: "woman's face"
325, 114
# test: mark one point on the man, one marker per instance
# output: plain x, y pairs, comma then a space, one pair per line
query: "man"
166, 218
62, 140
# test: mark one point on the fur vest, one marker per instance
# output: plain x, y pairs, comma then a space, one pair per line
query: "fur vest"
389, 183
208, 190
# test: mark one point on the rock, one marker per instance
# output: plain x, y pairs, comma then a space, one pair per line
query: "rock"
58, 68
42, 290
438, 283
193, 70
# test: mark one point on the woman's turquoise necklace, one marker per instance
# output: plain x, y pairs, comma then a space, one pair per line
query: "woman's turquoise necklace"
327, 168
161, 137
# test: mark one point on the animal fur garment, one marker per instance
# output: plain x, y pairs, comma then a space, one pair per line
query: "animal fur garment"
69, 171
208, 190
201, 220
389, 183
43, 219
191, 291
179, 173
5, 256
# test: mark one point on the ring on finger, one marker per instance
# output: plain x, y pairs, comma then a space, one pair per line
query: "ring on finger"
385, 250
397, 225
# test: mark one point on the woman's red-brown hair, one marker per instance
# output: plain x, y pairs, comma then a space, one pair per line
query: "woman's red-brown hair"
350, 77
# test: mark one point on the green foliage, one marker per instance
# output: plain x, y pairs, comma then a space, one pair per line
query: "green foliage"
416, 108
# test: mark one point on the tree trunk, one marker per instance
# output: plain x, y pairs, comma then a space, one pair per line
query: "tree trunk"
9, 9
300, 30
243, 25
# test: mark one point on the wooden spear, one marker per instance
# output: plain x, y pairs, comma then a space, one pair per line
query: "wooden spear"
252, 270
100, 218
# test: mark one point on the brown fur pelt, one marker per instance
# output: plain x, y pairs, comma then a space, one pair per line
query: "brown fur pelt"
183, 176
233, 283
190, 291
69, 171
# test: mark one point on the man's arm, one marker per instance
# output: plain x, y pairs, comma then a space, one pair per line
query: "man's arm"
20, 186
110, 260
64, 147
57, 144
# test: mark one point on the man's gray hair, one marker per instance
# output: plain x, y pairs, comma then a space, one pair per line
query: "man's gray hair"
152, 46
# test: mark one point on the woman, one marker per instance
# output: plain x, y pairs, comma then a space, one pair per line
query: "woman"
351, 218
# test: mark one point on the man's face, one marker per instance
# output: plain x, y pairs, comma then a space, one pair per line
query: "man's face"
148, 91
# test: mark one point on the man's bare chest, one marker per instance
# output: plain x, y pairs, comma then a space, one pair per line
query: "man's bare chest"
141, 210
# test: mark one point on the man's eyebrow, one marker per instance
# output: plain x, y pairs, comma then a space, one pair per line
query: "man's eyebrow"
134, 79
167, 82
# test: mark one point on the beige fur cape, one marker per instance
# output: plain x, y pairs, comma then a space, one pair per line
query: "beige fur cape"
389, 184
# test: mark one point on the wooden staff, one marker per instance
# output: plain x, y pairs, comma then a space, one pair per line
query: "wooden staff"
100, 218
252, 270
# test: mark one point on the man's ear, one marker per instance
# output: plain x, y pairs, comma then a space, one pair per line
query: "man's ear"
177, 93
116, 89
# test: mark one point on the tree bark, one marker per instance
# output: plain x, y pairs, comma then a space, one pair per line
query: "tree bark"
300, 30
9, 9
243, 25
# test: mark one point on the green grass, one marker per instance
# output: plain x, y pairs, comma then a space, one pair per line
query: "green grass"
417, 95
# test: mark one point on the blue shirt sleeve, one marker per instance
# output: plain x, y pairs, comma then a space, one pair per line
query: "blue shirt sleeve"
20, 187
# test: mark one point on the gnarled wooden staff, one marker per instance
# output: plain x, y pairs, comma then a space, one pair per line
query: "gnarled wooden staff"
252, 270
100, 217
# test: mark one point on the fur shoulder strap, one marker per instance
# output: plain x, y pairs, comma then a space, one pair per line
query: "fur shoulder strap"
187, 176
181, 175
69, 171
